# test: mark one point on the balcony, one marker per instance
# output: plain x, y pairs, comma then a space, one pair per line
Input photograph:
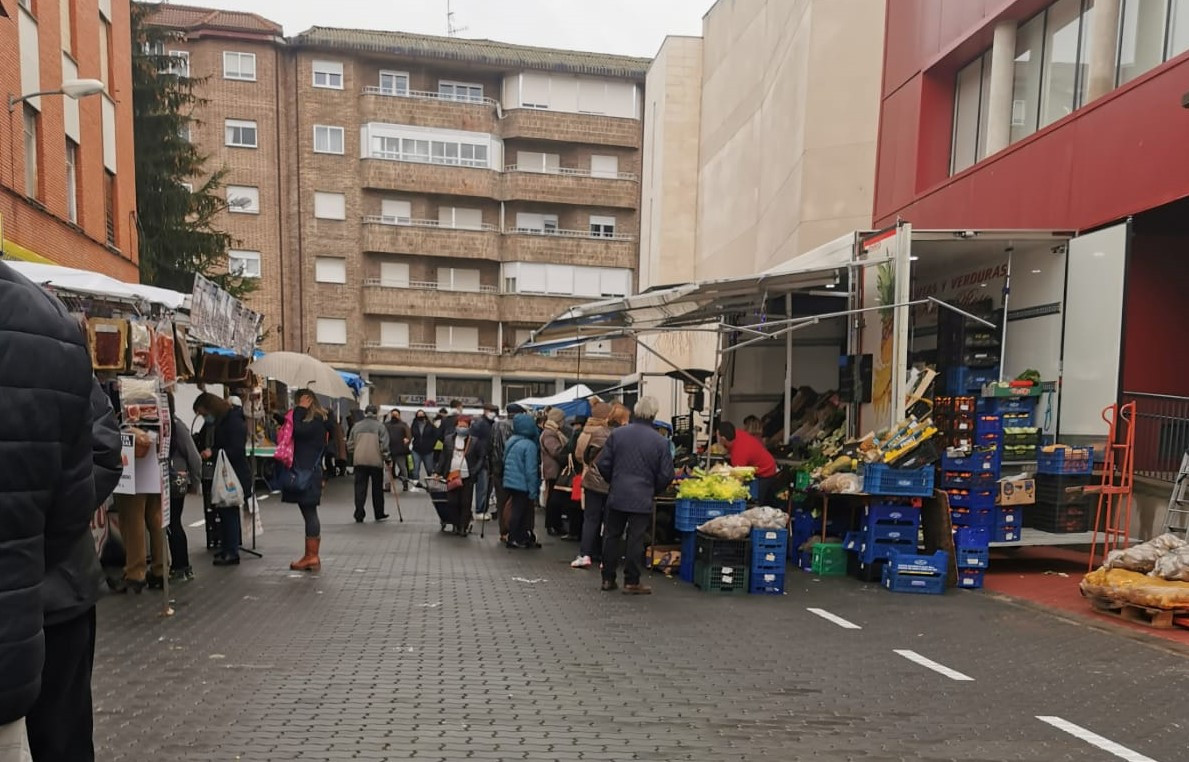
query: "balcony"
538, 124
427, 109
568, 361
536, 310
419, 299
429, 357
428, 237
577, 247
386, 173
571, 186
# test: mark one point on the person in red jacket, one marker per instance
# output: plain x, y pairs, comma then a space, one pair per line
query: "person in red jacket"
746, 450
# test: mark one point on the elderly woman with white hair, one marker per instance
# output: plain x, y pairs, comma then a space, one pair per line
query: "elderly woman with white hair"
637, 465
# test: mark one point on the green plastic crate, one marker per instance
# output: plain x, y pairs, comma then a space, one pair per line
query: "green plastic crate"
829, 559
716, 578
801, 480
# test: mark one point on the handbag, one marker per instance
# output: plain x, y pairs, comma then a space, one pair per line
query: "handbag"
284, 451
576, 489
454, 478
565, 480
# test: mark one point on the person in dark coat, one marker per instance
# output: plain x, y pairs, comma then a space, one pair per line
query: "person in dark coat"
501, 432
461, 456
400, 438
637, 465
61, 461
481, 433
230, 437
313, 432
185, 466
425, 440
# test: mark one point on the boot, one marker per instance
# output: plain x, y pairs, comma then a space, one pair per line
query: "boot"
310, 561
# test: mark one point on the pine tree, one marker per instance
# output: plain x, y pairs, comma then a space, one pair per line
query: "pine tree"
178, 237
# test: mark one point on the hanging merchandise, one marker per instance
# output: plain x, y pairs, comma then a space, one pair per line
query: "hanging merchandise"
138, 400
140, 342
164, 355
108, 341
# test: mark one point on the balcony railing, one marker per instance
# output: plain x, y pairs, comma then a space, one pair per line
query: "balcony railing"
1161, 433
431, 348
428, 286
427, 95
376, 219
573, 172
487, 227
440, 161
564, 233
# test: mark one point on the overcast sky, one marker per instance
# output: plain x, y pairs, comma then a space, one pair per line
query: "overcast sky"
627, 27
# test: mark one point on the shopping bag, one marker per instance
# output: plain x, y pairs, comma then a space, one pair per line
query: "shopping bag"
226, 491
14, 744
284, 451
576, 488
565, 480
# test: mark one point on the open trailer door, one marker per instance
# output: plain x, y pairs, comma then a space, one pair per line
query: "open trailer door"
1093, 331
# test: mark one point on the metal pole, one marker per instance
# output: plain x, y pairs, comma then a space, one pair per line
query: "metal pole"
788, 369
669, 362
718, 350
1006, 298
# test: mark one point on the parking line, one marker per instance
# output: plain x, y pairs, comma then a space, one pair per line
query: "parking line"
940, 669
835, 619
1107, 745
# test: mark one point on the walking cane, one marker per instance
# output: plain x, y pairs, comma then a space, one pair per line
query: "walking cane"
486, 503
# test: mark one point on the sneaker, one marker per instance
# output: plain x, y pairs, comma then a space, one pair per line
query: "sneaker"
581, 562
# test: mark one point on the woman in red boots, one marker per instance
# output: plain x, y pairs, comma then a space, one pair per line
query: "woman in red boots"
302, 484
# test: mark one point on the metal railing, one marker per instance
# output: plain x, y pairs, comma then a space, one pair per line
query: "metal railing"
1161, 433
372, 344
564, 233
420, 158
427, 95
425, 285
377, 219
572, 172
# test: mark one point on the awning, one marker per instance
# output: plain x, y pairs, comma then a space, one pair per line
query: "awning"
96, 284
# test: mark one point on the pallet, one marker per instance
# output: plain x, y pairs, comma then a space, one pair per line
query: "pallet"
1157, 619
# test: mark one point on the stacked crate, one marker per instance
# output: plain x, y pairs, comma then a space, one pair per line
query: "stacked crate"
971, 483
720, 565
972, 551
914, 573
1062, 504
969, 351
1021, 437
954, 418
769, 551
888, 528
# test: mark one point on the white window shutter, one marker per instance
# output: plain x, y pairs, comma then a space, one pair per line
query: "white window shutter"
394, 274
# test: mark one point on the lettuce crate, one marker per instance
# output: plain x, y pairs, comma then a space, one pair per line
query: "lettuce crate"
689, 514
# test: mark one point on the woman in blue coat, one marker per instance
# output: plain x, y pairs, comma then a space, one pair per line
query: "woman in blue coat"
522, 479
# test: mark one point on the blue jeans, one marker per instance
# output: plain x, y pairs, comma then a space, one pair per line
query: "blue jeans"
419, 460
481, 482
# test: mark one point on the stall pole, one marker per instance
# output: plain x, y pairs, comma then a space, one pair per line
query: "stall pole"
788, 369
714, 384
1006, 297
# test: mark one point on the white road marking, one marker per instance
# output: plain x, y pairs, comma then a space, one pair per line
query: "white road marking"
1107, 745
835, 619
940, 669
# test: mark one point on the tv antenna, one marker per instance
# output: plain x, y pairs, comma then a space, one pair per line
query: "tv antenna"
451, 29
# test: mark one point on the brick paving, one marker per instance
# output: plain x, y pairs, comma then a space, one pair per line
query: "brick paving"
412, 644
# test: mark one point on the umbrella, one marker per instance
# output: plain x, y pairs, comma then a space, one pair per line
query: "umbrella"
299, 371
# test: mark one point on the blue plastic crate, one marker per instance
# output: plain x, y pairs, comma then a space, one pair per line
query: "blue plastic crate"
1006, 534
888, 513
766, 583
686, 571
973, 517
870, 552
753, 488
959, 380
805, 560
1012, 404
972, 537
916, 563
968, 479
1010, 516
853, 542
972, 498
880, 479
1074, 460
988, 423
873, 533
769, 550
971, 579
913, 583
973, 558
690, 514
979, 460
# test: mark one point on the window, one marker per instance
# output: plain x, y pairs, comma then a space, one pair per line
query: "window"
429, 151
536, 223
245, 264
243, 199
71, 181
394, 334
330, 206
604, 166
1064, 68
66, 20
457, 279
615, 282
179, 63
396, 212
602, 227
1025, 105
533, 161
105, 53
394, 274
1151, 32
31, 155
109, 206
460, 91
328, 74
240, 66
332, 331
463, 219
566, 280
457, 337
969, 119
1178, 28
394, 83
240, 133
330, 270
328, 139
534, 90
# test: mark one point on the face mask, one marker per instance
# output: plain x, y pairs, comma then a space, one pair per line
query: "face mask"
459, 443
462, 431
489, 416
208, 418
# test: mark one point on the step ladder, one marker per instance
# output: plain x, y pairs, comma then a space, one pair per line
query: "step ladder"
1113, 518
1176, 518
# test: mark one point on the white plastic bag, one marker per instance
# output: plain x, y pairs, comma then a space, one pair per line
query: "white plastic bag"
226, 491
14, 745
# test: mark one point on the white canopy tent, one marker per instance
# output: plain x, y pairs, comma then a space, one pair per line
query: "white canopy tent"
97, 284
573, 394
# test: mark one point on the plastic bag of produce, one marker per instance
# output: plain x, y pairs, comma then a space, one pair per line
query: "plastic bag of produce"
1141, 558
1173, 566
842, 484
1123, 586
766, 518
734, 527
1168, 541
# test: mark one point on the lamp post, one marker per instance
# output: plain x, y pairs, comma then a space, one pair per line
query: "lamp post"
71, 88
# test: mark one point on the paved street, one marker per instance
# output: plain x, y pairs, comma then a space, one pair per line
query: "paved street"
416, 645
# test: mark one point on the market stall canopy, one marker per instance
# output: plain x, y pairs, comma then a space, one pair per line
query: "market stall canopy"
96, 284
572, 401
300, 371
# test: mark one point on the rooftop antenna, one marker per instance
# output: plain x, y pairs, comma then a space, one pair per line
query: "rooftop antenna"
451, 29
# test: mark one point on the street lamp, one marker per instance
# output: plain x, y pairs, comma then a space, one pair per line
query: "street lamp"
71, 88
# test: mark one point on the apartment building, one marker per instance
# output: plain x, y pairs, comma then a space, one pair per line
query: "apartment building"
67, 170
439, 199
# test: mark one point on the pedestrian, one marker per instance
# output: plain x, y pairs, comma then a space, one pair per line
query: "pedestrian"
665, 429
553, 460
61, 462
637, 466
457, 464
572, 506
139, 513
450, 419
185, 476
481, 432
522, 480
426, 438
619, 415
367, 444
399, 438
594, 486
500, 434
230, 437
746, 450
313, 431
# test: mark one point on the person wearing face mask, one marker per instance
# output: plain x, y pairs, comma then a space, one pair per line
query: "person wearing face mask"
481, 433
425, 438
458, 463
313, 430
230, 437
399, 438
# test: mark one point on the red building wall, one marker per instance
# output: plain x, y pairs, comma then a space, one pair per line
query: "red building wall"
1124, 153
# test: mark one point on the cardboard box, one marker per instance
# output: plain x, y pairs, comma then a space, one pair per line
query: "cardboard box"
1016, 492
